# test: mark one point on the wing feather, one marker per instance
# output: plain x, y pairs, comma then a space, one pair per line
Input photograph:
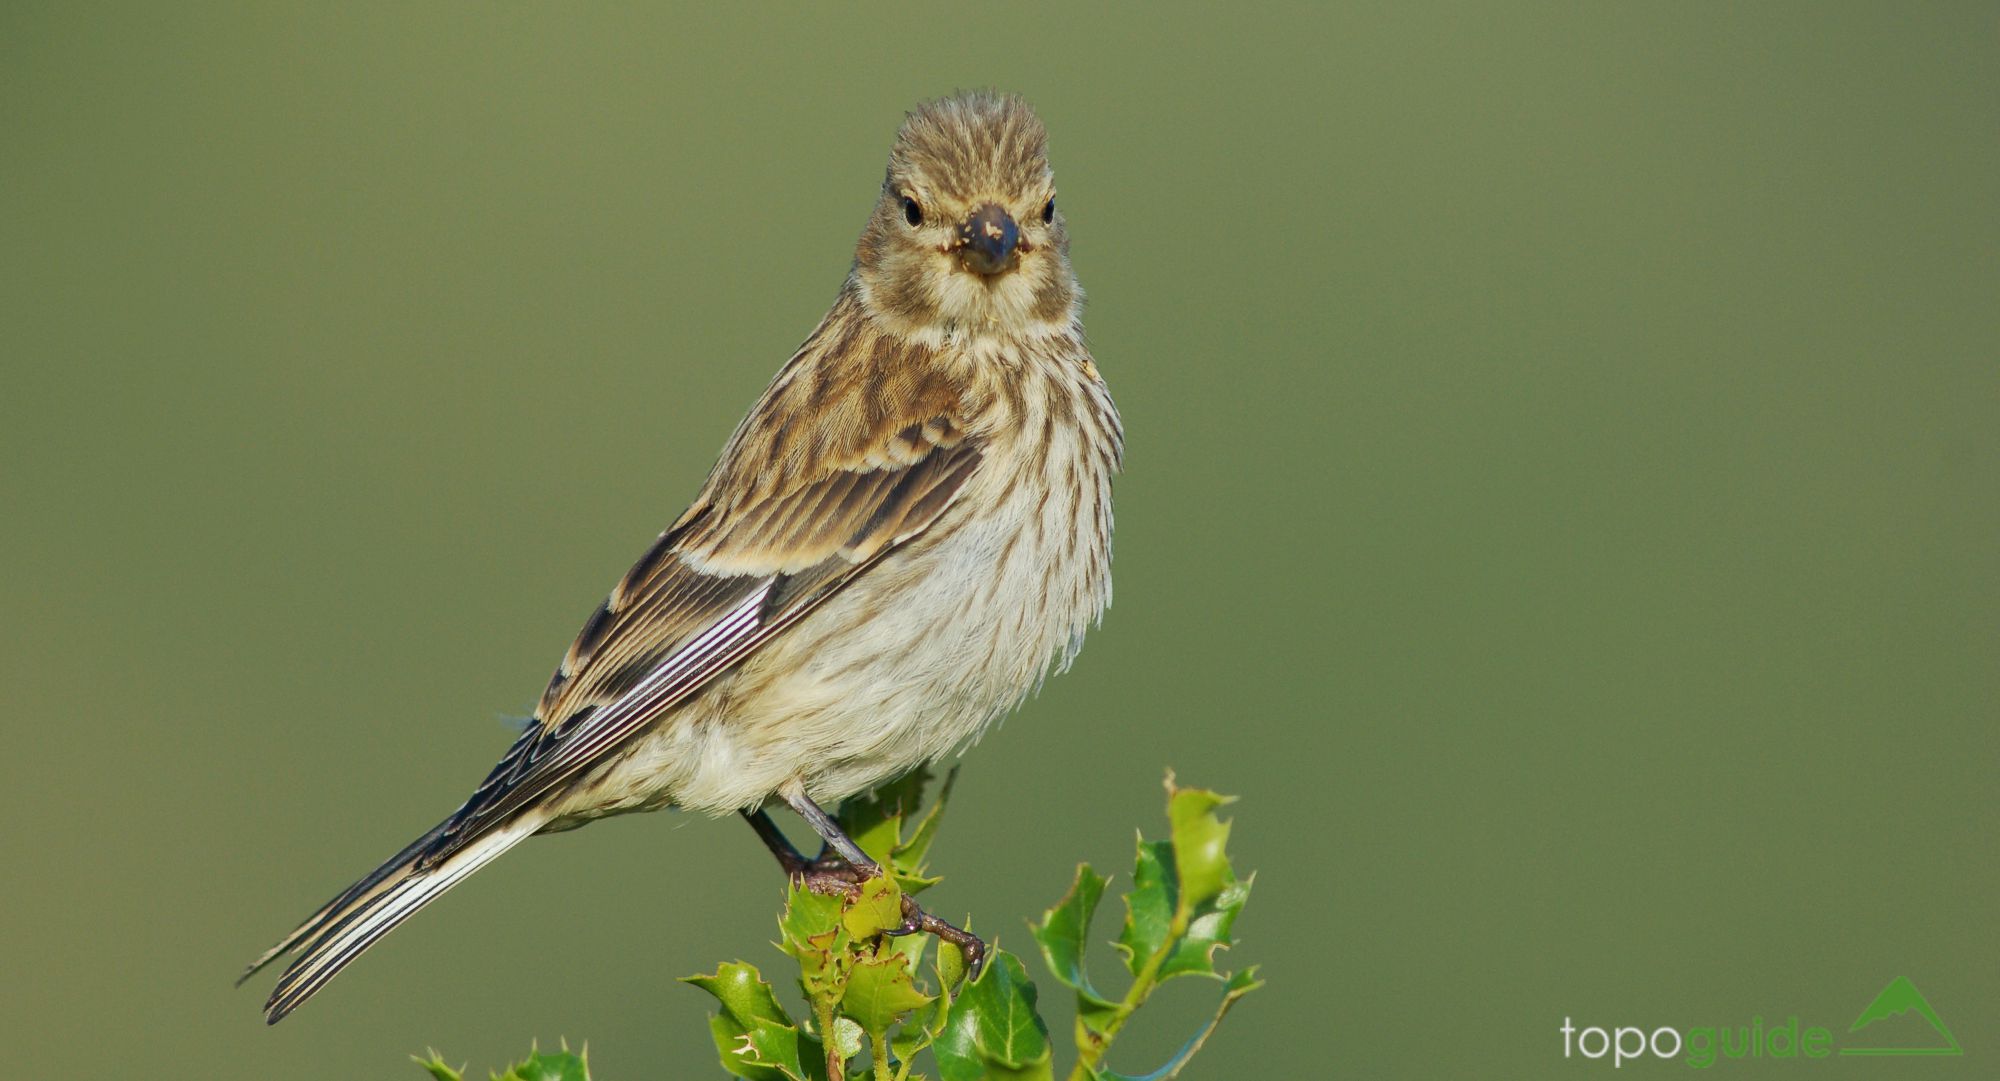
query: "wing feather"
720, 583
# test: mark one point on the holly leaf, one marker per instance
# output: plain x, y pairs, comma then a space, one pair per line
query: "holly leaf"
847, 1038
908, 857
875, 820
1185, 897
807, 918
951, 964
918, 1031
754, 1036
880, 990
744, 995
885, 824
879, 908
542, 1066
1062, 934
1207, 931
1149, 905
538, 1066
770, 1050
436, 1065
1238, 985
812, 931
993, 1029
1201, 862
1210, 897
910, 946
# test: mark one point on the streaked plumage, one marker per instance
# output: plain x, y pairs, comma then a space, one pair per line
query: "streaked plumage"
910, 526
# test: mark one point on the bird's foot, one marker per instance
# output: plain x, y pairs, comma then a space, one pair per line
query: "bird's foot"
917, 921
833, 876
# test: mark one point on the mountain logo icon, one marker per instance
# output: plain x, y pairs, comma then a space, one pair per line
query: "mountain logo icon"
1900, 997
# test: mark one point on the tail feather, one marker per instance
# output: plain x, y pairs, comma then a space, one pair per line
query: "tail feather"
371, 908
319, 920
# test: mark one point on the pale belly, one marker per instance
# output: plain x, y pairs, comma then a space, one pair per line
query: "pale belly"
908, 664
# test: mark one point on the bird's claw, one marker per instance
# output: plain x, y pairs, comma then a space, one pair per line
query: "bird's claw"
829, 876
916, 920
835, 877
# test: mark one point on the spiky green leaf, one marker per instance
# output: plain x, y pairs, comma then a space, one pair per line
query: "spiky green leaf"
993, 1029
875, 820
908, 857
880, 990
435, 1063
1200, 840
807, 917
878, 908
1208, 930
1149, 904
743, 993
951, 964
1238, 985
547, 1066
748, 1023
811, 931
783, 1050
1063, 934
848, 1037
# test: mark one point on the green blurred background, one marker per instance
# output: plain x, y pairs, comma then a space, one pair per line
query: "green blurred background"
1561, 502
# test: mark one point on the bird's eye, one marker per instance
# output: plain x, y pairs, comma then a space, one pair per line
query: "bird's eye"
912, 213
1048, 211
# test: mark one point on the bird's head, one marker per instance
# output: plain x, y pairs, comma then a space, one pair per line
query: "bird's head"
966, 238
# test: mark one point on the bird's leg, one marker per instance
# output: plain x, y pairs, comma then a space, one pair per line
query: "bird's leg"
774, 839
823, 874
854, 862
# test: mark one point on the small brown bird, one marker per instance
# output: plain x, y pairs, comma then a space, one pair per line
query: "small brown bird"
911, 527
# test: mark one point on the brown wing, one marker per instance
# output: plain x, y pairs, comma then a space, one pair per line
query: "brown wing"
722, 581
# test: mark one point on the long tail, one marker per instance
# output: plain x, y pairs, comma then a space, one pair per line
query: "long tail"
347, 925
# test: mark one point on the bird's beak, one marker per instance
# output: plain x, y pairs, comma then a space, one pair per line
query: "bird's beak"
987, 241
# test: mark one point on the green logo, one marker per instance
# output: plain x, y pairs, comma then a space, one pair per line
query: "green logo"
1895, 1022
1902, 996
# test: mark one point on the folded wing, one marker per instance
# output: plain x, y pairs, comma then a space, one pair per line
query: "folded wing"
748, 560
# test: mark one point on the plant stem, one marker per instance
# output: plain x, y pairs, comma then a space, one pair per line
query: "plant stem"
836, 1066
878, 1046
1090, 1054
